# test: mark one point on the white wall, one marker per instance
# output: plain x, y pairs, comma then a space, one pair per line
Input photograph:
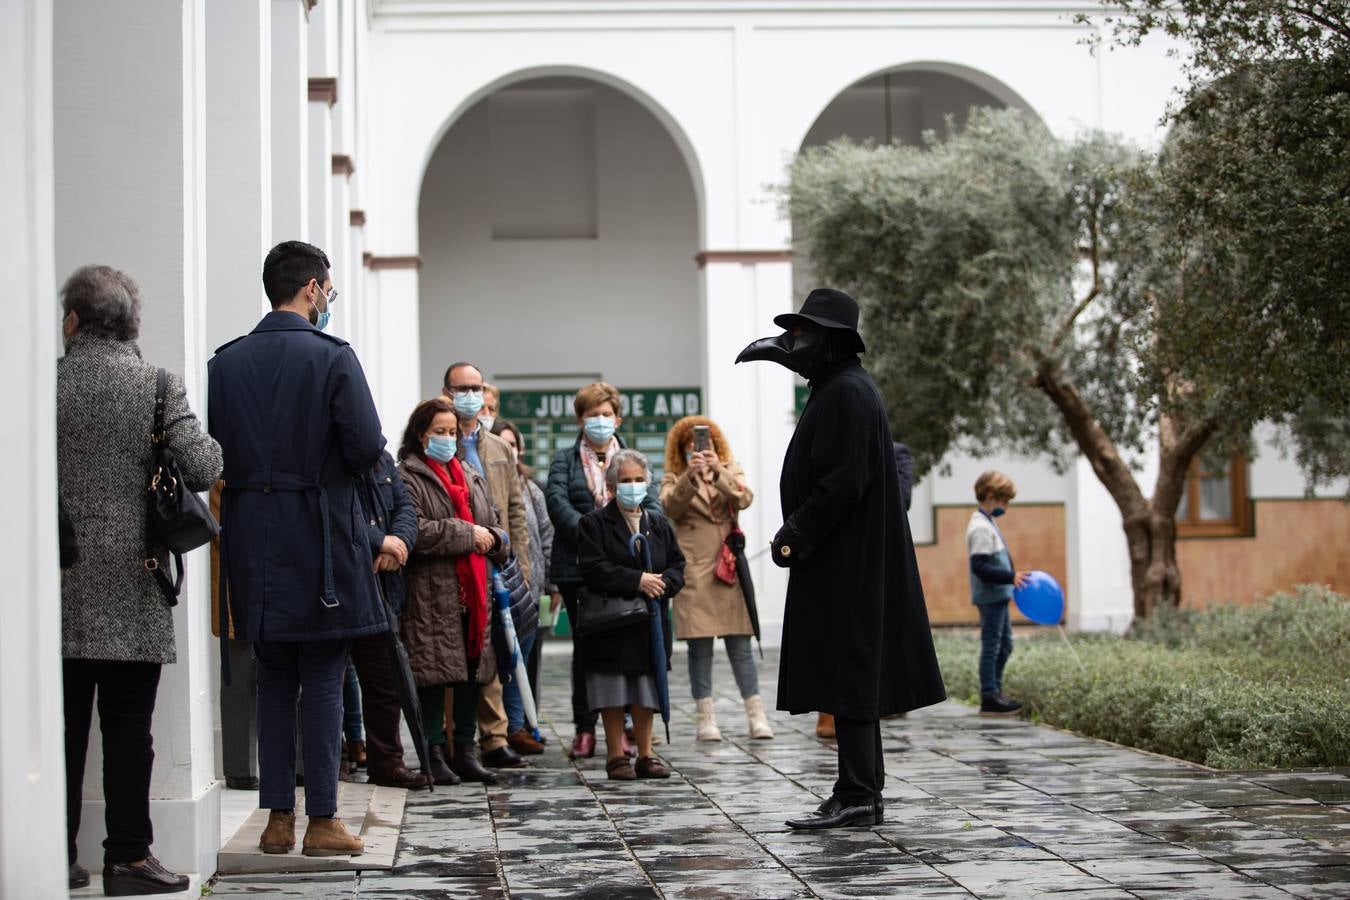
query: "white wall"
562, 159
32, 767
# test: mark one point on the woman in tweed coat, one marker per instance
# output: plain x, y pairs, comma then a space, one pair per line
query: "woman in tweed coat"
116, 629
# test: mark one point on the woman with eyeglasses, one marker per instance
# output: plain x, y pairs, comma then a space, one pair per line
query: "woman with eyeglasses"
577, 485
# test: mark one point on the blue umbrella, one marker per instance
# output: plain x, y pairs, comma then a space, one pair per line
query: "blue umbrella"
658, 637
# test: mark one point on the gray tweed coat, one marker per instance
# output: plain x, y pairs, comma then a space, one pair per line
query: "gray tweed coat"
111, 607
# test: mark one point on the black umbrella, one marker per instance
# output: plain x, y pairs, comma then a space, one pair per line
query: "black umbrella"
736, 544
406, 687
656, 636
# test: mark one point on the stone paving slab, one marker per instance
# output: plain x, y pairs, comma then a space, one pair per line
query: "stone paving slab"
975, 808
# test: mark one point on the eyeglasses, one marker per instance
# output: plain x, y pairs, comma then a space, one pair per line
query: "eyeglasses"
332, 296
465, 388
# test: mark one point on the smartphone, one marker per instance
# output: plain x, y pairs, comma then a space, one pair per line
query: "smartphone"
702, 438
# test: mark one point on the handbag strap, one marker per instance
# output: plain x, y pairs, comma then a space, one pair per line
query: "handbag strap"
170, 589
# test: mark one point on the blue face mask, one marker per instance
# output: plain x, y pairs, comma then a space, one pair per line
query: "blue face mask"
998, 511
441, 447
599, 428
631, 494
468, 403
326, 316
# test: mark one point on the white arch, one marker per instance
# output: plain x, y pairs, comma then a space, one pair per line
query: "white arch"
672, 127
982, 80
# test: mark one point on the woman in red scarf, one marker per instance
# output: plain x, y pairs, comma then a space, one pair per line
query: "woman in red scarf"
445, 623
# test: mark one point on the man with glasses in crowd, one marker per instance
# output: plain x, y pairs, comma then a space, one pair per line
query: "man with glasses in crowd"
492, 457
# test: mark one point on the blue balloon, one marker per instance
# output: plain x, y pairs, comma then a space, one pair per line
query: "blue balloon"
1040, 599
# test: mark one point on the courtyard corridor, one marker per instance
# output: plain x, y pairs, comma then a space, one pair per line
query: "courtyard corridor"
974, 807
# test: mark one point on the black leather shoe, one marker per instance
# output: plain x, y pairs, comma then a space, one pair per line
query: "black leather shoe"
439, 766
126, 880
503, 758
241, 782
466, 765
79, 876
834, 814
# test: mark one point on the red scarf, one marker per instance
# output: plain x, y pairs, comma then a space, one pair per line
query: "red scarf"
471, 568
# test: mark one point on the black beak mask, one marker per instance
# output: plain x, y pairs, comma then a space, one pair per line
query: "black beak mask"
799, 353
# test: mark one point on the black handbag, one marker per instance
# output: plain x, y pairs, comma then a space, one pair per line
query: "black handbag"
601, 613
175, 517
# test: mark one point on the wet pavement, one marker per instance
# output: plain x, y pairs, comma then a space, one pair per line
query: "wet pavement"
974, 807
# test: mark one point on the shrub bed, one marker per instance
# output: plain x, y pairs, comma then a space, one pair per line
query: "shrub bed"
1266, 686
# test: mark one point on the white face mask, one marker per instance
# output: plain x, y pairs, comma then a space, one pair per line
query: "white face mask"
487, 421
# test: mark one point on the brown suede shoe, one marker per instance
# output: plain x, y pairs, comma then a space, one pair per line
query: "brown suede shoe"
329, 837
524, 743
825, 726
279, 835
651, 767
620, 769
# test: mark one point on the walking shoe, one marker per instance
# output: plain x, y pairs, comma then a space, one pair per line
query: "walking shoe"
329, 837
503, 758
241, 782
279, 835
466, 765
401, 777
583, 745
524, 743
707, 721
651, 767
620, 769
79, 876
998, 705
150, 877
439, 766
825, 726
757, 719
834, 814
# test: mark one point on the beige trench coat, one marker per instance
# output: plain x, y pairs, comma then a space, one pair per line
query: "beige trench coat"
707, 607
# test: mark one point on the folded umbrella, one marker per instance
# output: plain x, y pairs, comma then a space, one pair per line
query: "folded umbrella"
517, 663
736, 543
406, 687
657, 637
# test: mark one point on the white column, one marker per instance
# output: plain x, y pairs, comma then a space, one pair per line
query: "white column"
238, 165
32, 763
396, 383
290, 121
1100, 595
322, 39
130, 177
753, 403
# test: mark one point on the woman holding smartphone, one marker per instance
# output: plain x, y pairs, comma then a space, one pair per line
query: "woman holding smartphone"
702, 493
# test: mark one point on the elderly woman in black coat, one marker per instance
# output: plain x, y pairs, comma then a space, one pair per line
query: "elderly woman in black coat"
618, 664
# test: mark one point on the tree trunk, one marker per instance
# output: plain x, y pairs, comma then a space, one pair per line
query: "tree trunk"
1154, 574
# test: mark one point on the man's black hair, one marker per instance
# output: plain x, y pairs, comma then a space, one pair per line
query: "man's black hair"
458, 365
289, 267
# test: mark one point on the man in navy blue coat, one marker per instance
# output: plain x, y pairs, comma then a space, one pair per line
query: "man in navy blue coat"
296, 421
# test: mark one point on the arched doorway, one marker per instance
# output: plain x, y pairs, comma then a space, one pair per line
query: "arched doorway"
558, 224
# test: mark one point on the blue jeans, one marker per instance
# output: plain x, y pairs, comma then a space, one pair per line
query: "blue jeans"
515, 706
995, 645
309, 673
742, 665
353, 727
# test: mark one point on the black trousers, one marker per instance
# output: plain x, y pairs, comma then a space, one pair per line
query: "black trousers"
239, 714
862, 771
126, 694
582, 716
380, 707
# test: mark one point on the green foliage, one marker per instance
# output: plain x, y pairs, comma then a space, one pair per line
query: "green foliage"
1231, 687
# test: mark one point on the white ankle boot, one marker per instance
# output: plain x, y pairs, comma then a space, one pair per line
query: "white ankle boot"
759, 720
707, 721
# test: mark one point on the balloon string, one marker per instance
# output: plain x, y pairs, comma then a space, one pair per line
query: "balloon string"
1064, 634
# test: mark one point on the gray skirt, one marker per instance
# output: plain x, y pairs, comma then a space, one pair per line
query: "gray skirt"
606, 690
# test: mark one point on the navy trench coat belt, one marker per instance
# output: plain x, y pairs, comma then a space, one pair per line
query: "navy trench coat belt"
268, 481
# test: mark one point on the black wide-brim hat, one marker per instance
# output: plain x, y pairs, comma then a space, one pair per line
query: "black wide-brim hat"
827, 308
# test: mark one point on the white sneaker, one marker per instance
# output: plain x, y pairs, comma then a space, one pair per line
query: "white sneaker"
758, 719
707, 721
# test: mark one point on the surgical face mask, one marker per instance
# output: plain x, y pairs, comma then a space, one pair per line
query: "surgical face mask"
631, 494
599, 428
441, 447
487, 421
322, 319
468, 403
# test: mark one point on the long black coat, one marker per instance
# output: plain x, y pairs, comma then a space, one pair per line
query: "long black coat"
390, 511
856, 641
294, 416
608, 568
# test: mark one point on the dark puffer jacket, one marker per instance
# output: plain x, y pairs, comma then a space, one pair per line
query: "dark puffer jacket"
432, 623
569, 498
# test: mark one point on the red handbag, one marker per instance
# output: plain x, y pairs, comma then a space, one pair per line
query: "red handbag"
726, 559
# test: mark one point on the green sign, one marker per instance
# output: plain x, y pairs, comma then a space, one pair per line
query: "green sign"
548, 423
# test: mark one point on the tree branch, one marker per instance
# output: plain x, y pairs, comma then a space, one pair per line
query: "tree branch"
1095, 257
1330, 24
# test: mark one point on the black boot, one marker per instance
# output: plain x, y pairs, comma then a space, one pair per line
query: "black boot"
467, 767
998, 705
440, 768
